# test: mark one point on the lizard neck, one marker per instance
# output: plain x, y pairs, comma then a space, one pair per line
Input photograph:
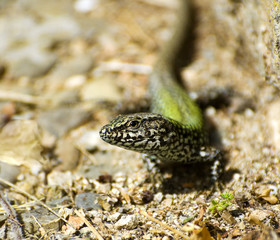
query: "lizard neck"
167, 97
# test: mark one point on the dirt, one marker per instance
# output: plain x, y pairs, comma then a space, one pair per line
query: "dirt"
60, 83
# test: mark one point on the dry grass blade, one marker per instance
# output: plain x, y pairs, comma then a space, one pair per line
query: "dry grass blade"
34, 199
175, 231
13, 223
20, 97
115, 66
89, 225
86, 153
161, 3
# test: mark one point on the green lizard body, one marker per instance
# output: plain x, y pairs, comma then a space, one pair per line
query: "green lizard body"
173, 131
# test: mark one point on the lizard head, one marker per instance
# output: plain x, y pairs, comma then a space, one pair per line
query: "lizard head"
143, 132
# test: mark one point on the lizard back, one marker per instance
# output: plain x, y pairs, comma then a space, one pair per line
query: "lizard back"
167, 97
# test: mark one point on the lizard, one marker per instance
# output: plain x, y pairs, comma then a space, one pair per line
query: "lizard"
174, 129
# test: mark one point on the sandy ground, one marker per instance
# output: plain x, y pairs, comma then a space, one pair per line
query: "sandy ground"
69, 67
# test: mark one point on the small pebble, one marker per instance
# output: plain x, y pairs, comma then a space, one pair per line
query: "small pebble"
60, 120
127, 222
158, 197
87, 201
114, 217
75, 81
228, 217
90, 140
258, 216
85, 5
58, 178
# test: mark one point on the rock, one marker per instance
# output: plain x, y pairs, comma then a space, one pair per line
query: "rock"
228, 217
9, 172
63, 97
26, 43
85, 5
68, 154
75, 81
90, 140
107, 202
87, 201
102, 88
127, 222
114, 217
266, 234
48, 220
273, 121
22, 52
64, 201
60, 120
158, 197
268, 193
20, 145
260, 216
31, 62
73, 66
58, 178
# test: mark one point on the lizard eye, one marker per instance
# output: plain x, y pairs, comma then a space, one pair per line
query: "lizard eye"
133, 124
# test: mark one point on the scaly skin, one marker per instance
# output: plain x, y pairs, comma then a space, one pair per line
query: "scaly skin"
173, 131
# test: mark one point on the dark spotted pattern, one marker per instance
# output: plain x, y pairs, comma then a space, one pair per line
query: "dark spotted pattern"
155, 135
174, 131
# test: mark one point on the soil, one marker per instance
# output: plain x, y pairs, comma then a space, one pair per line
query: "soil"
68, 67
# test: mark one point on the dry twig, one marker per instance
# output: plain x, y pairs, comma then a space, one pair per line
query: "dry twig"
89, 225
13, 223
34, 199
116, 66
20, 97
175, 231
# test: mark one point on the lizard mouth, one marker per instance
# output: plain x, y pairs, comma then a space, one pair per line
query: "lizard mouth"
105, 134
